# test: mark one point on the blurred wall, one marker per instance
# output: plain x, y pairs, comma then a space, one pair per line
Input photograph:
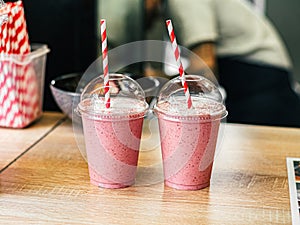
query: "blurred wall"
68, 28
285, 15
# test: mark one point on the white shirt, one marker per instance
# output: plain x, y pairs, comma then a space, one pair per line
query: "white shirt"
235, 27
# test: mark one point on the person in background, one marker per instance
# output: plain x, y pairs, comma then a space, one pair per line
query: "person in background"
246, 54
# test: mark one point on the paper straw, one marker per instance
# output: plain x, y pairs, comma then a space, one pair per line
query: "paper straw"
3, 13
19, 35
178, 61
105, 63
19, 89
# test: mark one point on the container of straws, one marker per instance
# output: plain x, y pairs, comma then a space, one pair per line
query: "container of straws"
22, 71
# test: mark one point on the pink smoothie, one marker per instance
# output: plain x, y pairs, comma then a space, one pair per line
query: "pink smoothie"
112, 141
188, 142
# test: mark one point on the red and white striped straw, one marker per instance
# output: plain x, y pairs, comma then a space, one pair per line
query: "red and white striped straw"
105, 63
178, 61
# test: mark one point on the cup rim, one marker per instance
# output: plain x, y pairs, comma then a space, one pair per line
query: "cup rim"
111, 115
202, 118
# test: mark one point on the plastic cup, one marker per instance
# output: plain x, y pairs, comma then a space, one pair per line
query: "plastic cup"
189, 136
112, 135
22, 87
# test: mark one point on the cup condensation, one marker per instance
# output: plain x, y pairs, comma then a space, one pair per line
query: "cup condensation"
112, 135
189, 136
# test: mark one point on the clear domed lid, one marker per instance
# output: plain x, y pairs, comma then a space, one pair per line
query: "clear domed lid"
127, 98
206, 98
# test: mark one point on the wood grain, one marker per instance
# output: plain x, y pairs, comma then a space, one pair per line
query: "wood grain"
50, 184
14, 142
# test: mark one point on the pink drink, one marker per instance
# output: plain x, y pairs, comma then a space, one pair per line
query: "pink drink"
188, 141
112, 138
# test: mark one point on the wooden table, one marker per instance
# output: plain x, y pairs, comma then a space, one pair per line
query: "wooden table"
15, 142
44, 179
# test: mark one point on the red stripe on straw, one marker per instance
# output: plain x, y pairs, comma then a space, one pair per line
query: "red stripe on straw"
105, 63
178, 61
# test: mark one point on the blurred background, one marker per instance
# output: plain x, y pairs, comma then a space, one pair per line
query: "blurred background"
71, 30
68, 27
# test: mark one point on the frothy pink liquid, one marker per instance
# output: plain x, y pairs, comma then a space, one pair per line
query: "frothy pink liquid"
188, 146
112, 150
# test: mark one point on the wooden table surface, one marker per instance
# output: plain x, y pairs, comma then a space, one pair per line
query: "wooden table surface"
14, 142
44, 179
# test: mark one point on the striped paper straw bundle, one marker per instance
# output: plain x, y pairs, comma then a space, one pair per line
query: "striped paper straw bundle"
105, 63
14, 36
3, 12
19, 91
178, 61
